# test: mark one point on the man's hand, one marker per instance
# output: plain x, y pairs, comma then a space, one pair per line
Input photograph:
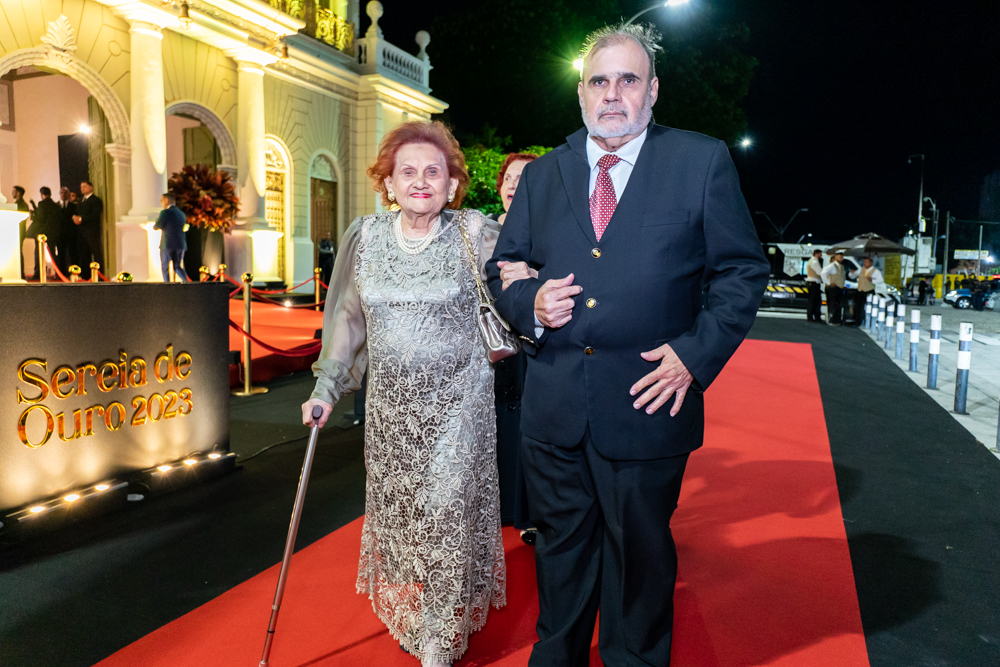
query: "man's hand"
307, 409
670, 378
554, 302
514, 271
77, 220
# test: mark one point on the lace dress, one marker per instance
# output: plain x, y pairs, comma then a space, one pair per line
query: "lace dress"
431, 553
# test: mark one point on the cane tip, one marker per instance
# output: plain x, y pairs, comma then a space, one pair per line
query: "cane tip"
317, 412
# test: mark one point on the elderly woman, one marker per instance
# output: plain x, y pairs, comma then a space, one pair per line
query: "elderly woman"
510, 383
403, 304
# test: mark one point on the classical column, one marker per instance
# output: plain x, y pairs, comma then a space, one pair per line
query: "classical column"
250, 159
149, 129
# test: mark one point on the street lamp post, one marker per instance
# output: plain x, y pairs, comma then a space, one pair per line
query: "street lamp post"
668, 3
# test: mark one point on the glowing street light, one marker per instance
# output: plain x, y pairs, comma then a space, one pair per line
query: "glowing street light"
668, 3
578, 64
746, 142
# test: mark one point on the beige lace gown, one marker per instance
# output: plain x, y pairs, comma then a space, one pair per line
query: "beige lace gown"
431, 553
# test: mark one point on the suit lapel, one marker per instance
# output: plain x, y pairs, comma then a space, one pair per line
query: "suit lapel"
629, 209
575, 171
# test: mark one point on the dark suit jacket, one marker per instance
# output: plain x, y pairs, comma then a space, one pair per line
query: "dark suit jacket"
67, 230
46, 220
90, 211
681, 228
171, 222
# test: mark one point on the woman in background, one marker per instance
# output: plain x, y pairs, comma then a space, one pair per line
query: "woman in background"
508, 386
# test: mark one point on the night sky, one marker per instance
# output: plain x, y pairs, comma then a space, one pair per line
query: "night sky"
842, 95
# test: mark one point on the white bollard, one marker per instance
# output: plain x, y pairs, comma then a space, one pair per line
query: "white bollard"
964, 363
932, 360
900, 329
914, 339
880, 327
890, 310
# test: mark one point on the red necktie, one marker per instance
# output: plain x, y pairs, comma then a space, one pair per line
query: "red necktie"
603, 201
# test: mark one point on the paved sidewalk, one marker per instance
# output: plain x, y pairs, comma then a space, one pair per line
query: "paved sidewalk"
983, 402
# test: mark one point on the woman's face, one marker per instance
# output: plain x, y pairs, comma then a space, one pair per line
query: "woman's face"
420, 180
510, 180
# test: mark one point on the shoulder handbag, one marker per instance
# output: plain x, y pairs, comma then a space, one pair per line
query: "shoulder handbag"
498, 338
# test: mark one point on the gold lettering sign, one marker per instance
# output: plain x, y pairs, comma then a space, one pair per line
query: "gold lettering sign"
67, 381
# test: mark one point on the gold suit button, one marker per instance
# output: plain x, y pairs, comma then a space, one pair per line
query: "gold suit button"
591, 303
588, 351
595, 253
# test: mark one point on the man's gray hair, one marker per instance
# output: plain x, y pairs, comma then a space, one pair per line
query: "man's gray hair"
644, 35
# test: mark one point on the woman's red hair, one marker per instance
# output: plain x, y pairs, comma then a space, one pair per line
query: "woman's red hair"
511, 159
418, 132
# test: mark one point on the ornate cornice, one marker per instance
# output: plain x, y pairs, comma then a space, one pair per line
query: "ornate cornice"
317, 81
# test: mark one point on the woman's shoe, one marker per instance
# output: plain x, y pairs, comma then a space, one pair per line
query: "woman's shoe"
529, 536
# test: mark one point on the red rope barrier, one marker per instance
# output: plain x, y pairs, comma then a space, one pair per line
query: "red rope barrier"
56, 267
278, 291
303, 351
235, 292
325, 286
103, 277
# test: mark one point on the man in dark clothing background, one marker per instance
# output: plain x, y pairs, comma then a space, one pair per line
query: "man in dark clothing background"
18, 195
173, 243
66, 241
45, 220
89, 213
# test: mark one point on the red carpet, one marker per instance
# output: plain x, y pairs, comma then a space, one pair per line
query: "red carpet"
765, 574
283, 328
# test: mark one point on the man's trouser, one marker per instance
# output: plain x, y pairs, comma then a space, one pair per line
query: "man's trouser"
815, 311
834, 305
604, 542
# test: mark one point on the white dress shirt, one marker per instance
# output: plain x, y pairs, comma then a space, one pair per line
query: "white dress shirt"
818, 268
874, 275
619, 174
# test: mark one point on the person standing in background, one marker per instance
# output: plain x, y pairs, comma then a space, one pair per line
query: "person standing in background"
45, 220
327, 256
89, 214
66, 243
814, 268
868, 277
17, 194
833, 277
173, 243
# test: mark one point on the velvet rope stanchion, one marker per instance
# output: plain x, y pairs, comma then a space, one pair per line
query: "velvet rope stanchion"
248, 389
55, 267
303, 351
74, 273
95, 272
41, 269
203, 274
316, 274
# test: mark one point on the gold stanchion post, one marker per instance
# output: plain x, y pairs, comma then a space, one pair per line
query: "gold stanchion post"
123, 277
74, 273
42, 269
203, 274
316, 274
222, 272
248, 390
94, 268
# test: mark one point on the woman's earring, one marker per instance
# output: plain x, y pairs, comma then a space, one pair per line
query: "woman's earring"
451, 197
392, 197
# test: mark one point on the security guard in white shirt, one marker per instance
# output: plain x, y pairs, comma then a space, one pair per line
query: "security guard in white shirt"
813, 270
868, 277
833, 276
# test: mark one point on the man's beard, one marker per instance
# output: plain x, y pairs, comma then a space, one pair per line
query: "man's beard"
635, 126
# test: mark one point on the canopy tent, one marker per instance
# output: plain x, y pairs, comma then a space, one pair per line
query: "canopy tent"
868, 245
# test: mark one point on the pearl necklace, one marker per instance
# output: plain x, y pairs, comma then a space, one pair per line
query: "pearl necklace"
414, 246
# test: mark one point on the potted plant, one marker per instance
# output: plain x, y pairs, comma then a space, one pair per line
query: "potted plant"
208, 199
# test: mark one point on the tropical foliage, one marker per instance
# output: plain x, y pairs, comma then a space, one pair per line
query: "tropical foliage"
483, 163
207, 197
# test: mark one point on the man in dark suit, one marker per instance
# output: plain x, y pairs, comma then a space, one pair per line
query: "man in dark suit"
22, 206
89, 214
173, 242
45, 220
66, 243
645, 275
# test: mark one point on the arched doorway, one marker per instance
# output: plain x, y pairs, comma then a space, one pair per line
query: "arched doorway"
106, 120
277, 164
324, 198
196, 136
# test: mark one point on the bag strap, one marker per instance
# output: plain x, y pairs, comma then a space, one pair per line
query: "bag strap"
484, 297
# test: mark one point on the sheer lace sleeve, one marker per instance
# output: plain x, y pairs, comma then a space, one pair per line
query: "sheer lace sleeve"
344, 358
487, 231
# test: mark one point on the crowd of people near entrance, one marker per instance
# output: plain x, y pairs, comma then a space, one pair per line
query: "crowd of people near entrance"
71, 225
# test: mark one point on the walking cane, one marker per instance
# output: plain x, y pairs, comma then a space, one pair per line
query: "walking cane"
293, 530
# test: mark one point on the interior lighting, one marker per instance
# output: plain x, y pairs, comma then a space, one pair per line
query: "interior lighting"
185, 16
37, 509
189, 462
71, 498
101, 487
164, 468
84, 129
288, 303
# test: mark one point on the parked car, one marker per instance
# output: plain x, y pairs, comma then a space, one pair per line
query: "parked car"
962, 298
